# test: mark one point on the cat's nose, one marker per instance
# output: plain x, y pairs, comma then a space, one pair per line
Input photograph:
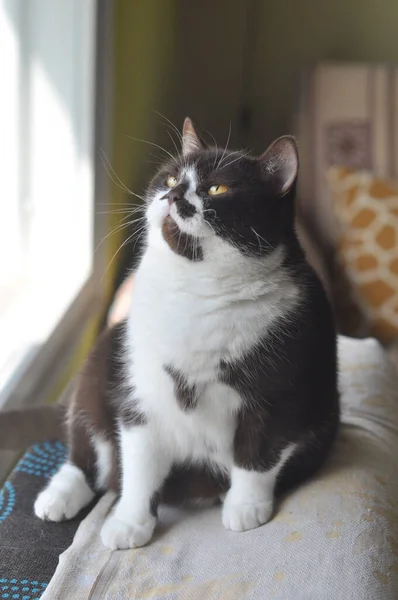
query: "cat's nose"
175, 194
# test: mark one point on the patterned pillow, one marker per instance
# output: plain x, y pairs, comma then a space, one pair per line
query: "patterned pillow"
366, 211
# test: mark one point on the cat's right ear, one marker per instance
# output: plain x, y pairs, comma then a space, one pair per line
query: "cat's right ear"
280, 163
190, 140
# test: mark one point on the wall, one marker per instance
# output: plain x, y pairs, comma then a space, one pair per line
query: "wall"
143, 59
210, 43
292, 33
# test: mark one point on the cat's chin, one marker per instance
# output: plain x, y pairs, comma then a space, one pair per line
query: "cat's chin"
169, 221
180, 242
170, 231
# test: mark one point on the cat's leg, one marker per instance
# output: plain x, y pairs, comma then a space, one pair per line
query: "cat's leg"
145, 466
68, 490
249, 502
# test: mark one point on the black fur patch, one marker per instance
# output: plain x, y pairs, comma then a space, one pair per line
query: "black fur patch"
289, 383
181, 243
130, 415
185, 394
185, 209
154, 504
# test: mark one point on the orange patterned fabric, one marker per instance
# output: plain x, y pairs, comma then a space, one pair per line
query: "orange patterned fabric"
366, 211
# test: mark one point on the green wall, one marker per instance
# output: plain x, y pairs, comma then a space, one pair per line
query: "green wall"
143, 59
209, 66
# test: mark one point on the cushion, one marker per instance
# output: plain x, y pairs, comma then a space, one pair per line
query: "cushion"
334, 537
347, 115
366, 211
29, 548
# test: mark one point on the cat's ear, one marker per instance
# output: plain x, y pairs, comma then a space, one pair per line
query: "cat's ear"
280, 162
190, 140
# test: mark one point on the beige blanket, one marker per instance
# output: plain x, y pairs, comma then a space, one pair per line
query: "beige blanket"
334, 538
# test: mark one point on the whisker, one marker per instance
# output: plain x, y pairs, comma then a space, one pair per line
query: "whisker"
115, 230
124, 243
259, 237
210, 210
175, 128
121, 211
226, 145
118, 204
155, 146
241, 155
175, 145
213, 138
136, 220
114, 177
215, 146
119, 227
139, 236
117, 211
186, 243
211, 226
111, 172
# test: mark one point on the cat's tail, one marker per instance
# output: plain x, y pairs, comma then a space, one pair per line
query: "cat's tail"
23, 427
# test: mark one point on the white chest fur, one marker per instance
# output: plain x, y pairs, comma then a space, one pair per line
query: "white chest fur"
192, 316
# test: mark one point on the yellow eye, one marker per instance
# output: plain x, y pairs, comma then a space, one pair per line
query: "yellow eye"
215, 190
171, 181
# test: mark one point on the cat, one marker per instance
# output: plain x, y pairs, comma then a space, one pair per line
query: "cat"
222, 382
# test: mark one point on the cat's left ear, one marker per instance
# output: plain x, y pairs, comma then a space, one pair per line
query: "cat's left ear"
190, 140
280, 162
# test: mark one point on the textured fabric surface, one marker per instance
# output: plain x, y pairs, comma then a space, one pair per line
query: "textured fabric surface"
29, 548
334, 537
366, 209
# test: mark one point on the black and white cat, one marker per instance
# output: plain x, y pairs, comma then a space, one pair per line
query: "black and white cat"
227, 364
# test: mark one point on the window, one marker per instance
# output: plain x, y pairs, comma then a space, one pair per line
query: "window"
47, 164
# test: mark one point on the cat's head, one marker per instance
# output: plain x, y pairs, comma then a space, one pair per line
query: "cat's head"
208, 197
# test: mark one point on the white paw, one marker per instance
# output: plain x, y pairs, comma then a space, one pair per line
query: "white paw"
54, 504
118, 534
65, 495
242, 517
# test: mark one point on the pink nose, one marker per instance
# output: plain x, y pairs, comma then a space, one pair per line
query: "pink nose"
175, 195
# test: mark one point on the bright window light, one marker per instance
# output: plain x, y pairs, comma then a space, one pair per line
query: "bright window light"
47, 74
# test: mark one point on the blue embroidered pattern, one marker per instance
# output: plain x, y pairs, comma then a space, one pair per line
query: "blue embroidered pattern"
43, 460
7, 500
21, 589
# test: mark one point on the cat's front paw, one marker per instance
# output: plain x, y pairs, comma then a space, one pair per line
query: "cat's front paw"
119, 534
242, 517
54, 504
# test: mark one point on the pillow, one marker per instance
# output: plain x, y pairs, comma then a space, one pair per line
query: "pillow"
366, 212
